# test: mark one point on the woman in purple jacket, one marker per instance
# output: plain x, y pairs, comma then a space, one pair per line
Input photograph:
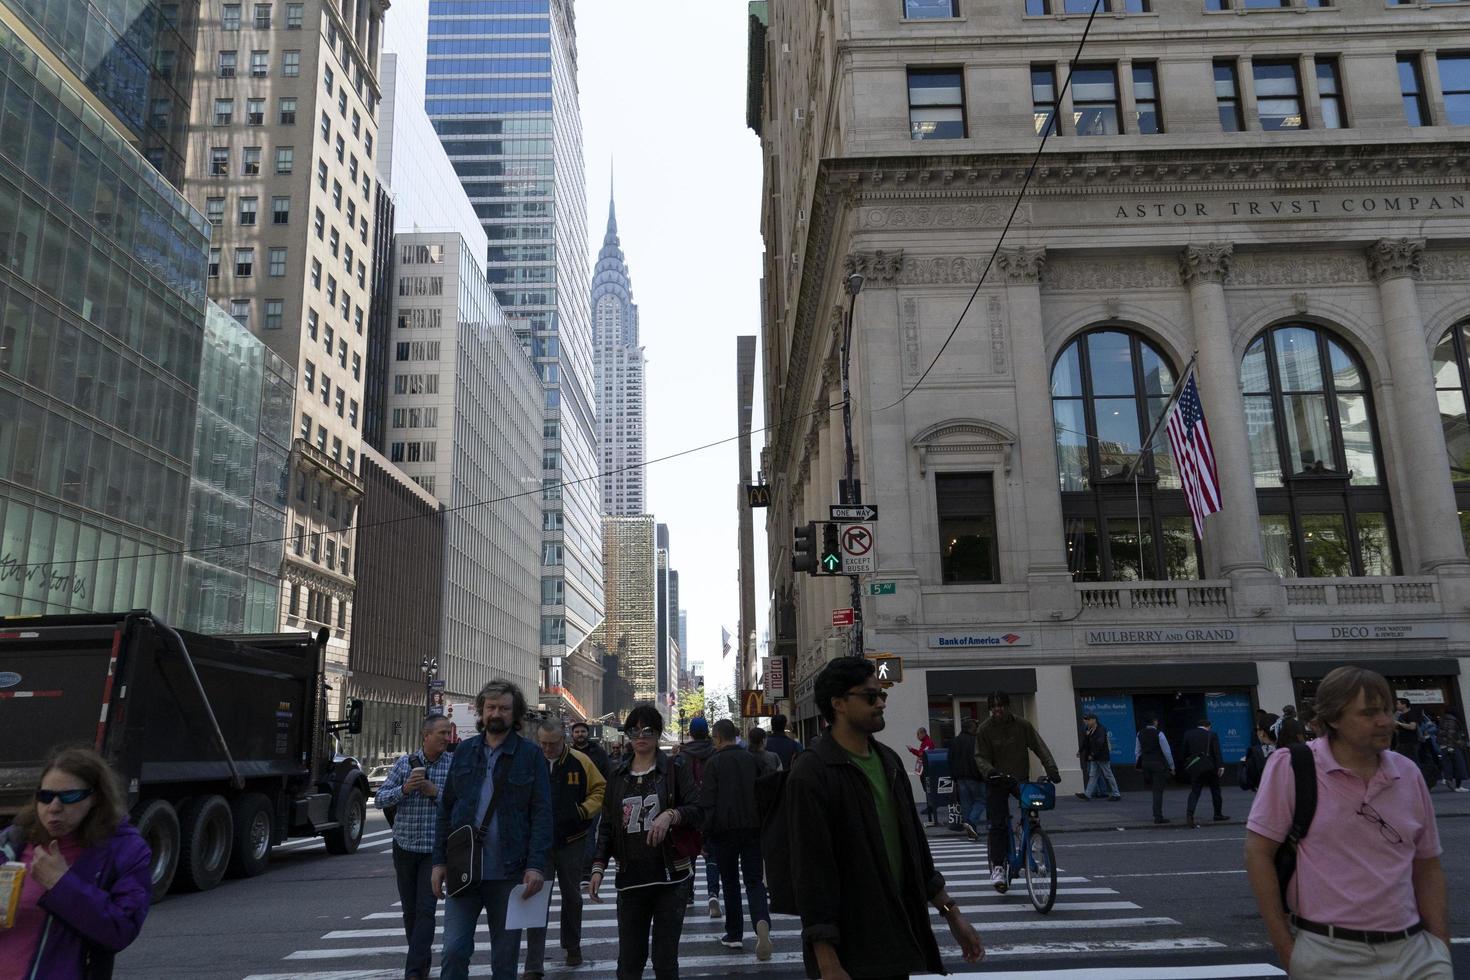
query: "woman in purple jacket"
87, 883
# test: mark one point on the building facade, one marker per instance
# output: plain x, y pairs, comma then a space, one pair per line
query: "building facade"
102, 306
618, 379
239, 483
400, 576
629, 631
502, 91
464, 422
1227, 191
280, 159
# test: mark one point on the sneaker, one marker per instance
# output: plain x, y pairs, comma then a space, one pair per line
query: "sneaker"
971, 832
1082, 796
762, 941
714, 908
1462, 789
1115, 799
574, 956
729, 943
999, 878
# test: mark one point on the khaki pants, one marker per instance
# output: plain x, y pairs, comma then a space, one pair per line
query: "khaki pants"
1420, 957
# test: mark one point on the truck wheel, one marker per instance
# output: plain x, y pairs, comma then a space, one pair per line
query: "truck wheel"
205, 853
159, 825
254, 824
351, 817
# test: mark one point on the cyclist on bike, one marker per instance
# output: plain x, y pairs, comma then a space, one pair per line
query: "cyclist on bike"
1002, 748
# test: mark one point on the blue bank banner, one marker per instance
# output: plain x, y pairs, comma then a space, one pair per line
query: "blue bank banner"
1232, 718
1115, 713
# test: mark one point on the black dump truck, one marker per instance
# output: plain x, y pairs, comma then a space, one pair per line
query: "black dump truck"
222, 742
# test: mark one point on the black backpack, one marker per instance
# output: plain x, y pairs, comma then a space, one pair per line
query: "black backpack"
1304, 773
770, 803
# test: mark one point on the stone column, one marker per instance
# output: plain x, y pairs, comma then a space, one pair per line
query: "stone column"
1431, 530
1233, 535
1042, 539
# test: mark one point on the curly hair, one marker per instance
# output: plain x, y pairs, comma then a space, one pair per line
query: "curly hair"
109, 806
499, 688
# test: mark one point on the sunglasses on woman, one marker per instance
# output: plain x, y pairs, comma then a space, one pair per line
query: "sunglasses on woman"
643, 733
67, 796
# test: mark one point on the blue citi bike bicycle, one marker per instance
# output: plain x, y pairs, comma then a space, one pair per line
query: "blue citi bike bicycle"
1028, 848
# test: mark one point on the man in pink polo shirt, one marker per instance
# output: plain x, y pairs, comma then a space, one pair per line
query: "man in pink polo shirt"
1368, 896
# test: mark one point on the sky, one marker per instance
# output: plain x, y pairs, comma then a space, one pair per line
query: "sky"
662, 86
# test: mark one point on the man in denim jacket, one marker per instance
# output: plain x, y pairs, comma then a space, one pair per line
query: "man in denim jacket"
517, 842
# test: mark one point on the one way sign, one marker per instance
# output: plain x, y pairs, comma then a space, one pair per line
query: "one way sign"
856, 514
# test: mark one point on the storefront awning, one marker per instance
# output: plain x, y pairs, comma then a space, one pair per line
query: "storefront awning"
980, 681
1176, 676
1405, 667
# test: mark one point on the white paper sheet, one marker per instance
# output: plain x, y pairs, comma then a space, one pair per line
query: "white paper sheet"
527, 913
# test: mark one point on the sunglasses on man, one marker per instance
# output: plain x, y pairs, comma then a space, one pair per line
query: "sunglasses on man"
869, 696
67, 796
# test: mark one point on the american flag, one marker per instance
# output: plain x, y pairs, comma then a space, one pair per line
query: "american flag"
1189, 437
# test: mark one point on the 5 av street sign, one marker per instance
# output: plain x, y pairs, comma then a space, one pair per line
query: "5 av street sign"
855, 514
882, 588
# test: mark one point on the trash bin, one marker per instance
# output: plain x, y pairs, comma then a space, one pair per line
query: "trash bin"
939, 793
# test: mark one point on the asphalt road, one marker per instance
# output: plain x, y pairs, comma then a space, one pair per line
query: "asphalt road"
1137, 904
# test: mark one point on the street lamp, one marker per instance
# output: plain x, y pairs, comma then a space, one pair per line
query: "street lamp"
853, 286
430, 667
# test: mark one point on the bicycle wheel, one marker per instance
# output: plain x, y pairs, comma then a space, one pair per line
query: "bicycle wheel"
1041, 871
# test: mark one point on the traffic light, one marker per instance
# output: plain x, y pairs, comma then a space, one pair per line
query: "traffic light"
804, 549
829, 559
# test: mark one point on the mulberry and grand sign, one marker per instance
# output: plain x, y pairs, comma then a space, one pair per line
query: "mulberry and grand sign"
945, 641
1164, 634
1372, 631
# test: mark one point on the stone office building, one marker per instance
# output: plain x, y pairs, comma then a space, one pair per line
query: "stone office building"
1275, 195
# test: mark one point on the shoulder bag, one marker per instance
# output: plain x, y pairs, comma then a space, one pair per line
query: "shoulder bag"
464, 849
1304, 775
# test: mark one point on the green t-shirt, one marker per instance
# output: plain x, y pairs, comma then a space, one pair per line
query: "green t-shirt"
872, 767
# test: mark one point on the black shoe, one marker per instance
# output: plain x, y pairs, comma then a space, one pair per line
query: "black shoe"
1221, 816
1082, 796
1162, 820
729, 943
1191, 823
574, 956
1114, 799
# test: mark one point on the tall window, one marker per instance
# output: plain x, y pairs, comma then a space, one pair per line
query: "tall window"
1108, 389
1044, 99
1314, 454
1329, 93
1451, 376
930, 9
1454, 81
936, 104
967, 542
1278, 95
1095, 100
1227, 97
1146, 98
1411, 86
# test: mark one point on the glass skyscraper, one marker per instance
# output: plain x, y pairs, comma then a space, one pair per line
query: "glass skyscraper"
502, 92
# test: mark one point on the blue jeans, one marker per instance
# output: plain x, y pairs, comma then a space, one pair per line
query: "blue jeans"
711, 874
971, 794
1100, 776
462, 915
738, 854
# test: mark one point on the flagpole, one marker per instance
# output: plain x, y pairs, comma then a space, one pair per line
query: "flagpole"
1148, 442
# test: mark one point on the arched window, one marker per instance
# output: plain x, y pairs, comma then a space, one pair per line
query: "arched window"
1451, 376
1108, 389
1314, 454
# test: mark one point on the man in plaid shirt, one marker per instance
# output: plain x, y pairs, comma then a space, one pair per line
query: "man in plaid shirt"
413, 787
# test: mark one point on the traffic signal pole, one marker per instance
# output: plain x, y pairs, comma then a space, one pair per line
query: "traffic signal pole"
849, 489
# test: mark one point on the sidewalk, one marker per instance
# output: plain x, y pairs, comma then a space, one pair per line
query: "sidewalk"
1135, 811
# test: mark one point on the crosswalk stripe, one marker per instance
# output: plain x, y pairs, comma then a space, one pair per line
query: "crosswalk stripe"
306, 843
1030, 925
690, 965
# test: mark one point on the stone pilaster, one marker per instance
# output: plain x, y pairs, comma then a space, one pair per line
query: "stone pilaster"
1430, 527
1232, 536
1041, 541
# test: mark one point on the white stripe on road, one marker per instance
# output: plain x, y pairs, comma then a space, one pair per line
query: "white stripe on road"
1220, 972
307, 842
1151, 843
1035, 925
1172, 874
725, 961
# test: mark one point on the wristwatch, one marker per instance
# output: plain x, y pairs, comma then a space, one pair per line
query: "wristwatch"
947, 908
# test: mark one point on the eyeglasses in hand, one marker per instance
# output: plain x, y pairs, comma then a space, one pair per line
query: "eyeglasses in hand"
1384, 827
